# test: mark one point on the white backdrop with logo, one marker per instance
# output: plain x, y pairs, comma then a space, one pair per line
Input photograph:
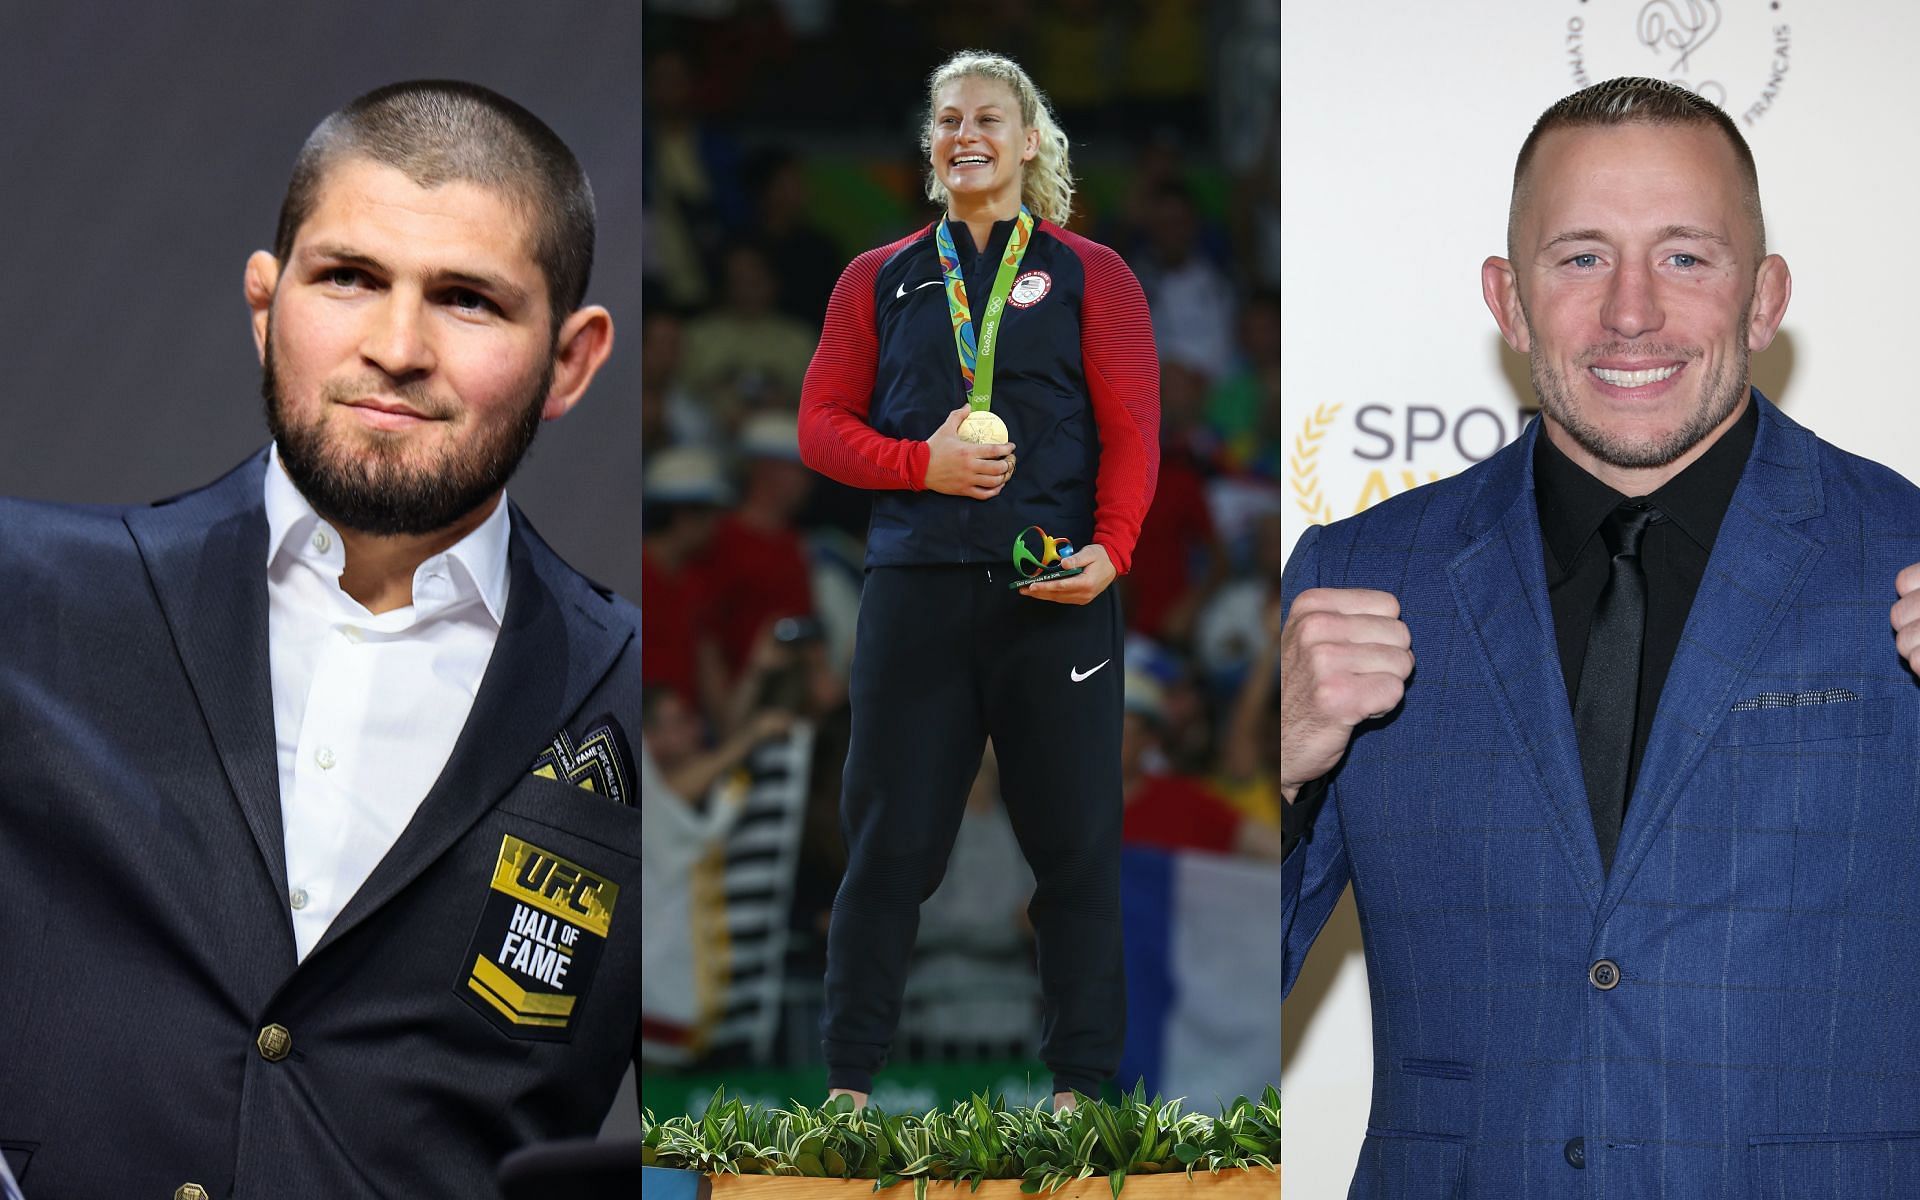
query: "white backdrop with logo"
1399, 124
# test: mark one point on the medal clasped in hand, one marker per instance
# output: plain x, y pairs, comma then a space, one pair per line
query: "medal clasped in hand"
981, 426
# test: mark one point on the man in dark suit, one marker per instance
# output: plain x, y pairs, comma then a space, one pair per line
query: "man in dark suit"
316, 798
1632, 845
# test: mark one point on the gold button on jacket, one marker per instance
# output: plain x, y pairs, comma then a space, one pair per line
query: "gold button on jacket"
274, 1043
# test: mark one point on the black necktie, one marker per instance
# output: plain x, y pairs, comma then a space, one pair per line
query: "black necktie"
1608, 702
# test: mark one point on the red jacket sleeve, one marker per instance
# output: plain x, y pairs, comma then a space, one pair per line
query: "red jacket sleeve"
1123, 383
835, 438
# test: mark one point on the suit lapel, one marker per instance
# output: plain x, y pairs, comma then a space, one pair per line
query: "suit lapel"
553, 649
206, 554
1758, 566
1500, 587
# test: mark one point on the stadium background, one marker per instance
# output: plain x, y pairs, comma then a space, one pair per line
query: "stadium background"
780, 141
1400, 124
145, 151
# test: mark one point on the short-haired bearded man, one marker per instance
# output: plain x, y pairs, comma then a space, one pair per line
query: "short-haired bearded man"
1610, 733
316, 799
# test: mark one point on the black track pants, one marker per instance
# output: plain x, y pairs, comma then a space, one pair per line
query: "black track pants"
945, 658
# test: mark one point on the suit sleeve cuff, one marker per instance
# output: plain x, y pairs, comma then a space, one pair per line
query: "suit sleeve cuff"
1296, 819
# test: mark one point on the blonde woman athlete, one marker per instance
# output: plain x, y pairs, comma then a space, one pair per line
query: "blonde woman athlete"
994, 308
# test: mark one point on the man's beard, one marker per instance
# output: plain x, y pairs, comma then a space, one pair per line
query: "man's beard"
1720, 394
368, 487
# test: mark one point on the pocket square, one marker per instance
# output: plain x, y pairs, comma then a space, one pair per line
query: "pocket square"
1794, 699
596, 763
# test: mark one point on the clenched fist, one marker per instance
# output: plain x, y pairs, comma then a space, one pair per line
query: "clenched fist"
1345, 656
1906, 616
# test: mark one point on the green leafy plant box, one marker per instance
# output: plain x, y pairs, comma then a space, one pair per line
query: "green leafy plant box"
1238, 1183
1130, 1149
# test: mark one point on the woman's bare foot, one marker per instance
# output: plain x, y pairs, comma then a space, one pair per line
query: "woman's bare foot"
1062, 1101
859, 1098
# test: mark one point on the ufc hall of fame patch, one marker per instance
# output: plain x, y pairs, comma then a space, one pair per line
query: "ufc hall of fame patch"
596, 763
539, 941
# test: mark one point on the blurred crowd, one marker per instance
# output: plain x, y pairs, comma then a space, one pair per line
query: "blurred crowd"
759, 189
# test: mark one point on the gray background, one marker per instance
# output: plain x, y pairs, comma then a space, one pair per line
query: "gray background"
144, 150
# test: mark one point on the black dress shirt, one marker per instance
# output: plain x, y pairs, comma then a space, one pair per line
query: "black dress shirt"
1674, 553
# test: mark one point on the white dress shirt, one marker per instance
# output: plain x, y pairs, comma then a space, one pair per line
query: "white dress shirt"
366, 707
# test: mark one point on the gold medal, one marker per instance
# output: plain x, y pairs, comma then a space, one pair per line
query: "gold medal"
983, 428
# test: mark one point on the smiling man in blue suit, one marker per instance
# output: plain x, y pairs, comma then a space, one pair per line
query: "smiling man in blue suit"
316, 803
1610, 733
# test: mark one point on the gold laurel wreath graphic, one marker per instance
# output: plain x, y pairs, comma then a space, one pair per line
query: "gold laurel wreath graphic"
1305, 462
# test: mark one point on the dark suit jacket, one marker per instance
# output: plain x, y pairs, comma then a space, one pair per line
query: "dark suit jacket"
1729, 1011
145, 939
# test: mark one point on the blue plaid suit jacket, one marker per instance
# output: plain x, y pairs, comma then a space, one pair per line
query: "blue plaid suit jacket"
1763, 1038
